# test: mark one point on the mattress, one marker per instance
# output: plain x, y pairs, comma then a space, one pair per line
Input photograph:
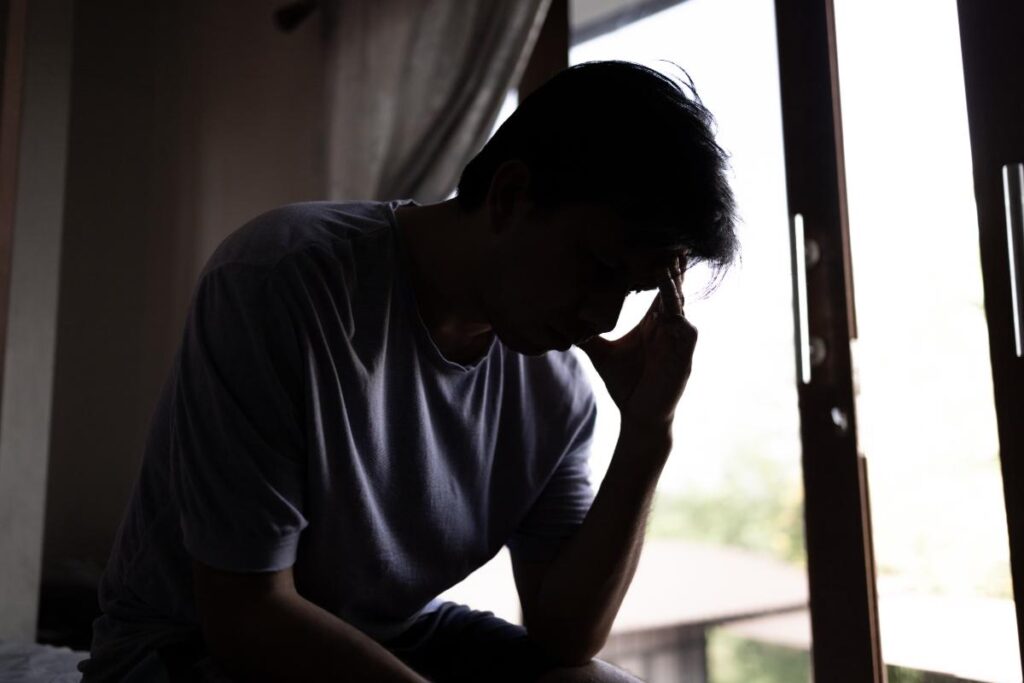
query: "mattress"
33, 663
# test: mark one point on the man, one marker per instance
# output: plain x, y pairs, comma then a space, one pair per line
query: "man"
371, 399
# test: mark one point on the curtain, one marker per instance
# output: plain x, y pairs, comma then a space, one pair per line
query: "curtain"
414, 88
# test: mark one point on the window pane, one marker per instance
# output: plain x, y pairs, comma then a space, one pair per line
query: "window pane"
925, 410
726, 534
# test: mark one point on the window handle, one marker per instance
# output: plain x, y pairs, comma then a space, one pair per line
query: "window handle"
802, 256
1013, 197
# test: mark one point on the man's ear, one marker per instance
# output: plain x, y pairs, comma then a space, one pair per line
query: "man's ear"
508, 196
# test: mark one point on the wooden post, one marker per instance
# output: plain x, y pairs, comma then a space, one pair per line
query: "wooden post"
840, 565
551, 51
993, 54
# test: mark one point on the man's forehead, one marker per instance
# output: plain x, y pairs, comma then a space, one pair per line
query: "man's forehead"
610, 231
646, 266
652, 257
638, 256
608, 226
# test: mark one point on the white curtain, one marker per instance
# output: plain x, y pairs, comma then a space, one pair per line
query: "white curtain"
414, 88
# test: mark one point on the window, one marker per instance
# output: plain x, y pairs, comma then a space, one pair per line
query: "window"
728, 515
925, 412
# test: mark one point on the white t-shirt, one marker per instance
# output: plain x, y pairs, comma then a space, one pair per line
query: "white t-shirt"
310, 421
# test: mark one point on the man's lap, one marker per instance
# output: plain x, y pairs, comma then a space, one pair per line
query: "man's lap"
456, 643
452, 644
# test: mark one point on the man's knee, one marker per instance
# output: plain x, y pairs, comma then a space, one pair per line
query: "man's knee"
596, 671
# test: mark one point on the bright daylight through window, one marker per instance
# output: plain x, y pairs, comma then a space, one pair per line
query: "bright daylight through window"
726, 535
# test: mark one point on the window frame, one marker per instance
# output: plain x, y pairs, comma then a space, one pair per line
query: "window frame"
840, 563
993, 60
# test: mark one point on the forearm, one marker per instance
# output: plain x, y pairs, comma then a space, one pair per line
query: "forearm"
286, 637
584, 586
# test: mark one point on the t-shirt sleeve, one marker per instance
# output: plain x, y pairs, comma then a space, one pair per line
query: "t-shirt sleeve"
564, 500
237, 453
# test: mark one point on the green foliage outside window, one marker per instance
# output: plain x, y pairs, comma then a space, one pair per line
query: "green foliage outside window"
757, 506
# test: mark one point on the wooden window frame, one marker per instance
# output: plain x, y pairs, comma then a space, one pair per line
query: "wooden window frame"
551, 50
840, 563
993, 58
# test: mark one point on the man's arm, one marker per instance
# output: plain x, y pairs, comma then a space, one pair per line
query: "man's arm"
260, 629
569, 605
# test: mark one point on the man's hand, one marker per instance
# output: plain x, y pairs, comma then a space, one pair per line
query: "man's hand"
646, 370
570, 605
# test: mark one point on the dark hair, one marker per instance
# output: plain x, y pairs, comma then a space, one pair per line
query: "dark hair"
625, 136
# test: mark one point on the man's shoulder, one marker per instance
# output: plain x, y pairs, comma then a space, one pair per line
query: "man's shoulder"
299, 228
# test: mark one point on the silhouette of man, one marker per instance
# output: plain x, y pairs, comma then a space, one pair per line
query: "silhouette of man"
371, 399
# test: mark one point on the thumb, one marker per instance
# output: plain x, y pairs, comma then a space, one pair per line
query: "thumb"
597, 349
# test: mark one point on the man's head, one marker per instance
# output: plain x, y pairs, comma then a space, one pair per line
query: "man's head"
593, 183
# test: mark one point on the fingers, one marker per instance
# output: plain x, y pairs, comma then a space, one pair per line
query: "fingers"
679, 268
671, 292
670, 311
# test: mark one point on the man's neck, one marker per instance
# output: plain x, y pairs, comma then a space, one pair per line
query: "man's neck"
442, 257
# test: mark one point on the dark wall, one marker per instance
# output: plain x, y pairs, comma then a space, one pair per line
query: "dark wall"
187, 118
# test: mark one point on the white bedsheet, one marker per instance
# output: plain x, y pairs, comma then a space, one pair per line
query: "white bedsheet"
32, 663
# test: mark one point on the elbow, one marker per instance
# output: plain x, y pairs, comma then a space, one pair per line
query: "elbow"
573, 654
568, 645
576, 659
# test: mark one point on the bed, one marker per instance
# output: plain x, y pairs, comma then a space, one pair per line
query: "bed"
33, 663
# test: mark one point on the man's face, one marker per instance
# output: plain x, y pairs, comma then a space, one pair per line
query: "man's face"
558, 276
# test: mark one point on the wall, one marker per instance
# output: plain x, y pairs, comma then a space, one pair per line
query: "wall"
37, 87
187, 118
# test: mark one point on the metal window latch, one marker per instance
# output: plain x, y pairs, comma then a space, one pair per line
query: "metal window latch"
1013, 198
806, 253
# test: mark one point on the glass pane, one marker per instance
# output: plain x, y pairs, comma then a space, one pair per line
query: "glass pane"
925, 410
725, 539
